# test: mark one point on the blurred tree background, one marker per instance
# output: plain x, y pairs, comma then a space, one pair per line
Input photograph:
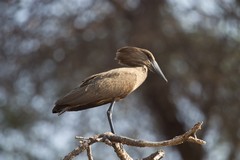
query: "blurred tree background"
48, 47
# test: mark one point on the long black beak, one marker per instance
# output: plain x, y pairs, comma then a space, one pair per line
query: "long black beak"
158, 70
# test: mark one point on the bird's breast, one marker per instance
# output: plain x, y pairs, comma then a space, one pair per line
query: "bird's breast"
120, 82
141, 75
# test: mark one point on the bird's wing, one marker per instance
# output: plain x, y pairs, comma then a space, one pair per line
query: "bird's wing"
97, 90
90, 79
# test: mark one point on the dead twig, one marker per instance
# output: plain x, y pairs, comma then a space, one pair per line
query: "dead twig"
155, 156
120, 151
89, 153
117, 142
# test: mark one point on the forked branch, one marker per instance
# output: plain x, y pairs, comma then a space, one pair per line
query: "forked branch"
117, 143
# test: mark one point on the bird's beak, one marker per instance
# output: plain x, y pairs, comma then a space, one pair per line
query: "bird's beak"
158, 70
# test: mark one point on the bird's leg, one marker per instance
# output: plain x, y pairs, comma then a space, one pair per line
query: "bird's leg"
109, 115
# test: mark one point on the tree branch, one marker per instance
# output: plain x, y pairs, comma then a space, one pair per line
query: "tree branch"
89, 153
117, 142
155, 156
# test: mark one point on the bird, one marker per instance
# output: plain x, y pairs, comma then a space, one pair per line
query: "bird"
113, 85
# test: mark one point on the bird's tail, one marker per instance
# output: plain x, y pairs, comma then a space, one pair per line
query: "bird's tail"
59, 110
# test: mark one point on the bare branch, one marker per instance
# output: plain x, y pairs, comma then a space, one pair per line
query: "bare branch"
120, 151
89, 153
74, 153
172, 142
117, 142
155, 156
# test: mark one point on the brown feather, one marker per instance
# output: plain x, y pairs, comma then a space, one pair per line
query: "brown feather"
112, 85
101, 89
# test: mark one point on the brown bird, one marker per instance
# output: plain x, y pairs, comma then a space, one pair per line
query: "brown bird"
111, 86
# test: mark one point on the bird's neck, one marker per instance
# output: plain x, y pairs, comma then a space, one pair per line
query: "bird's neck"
141, 73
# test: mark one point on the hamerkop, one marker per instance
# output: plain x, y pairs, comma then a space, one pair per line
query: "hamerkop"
111, 86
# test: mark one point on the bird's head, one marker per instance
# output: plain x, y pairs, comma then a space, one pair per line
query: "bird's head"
137, 57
